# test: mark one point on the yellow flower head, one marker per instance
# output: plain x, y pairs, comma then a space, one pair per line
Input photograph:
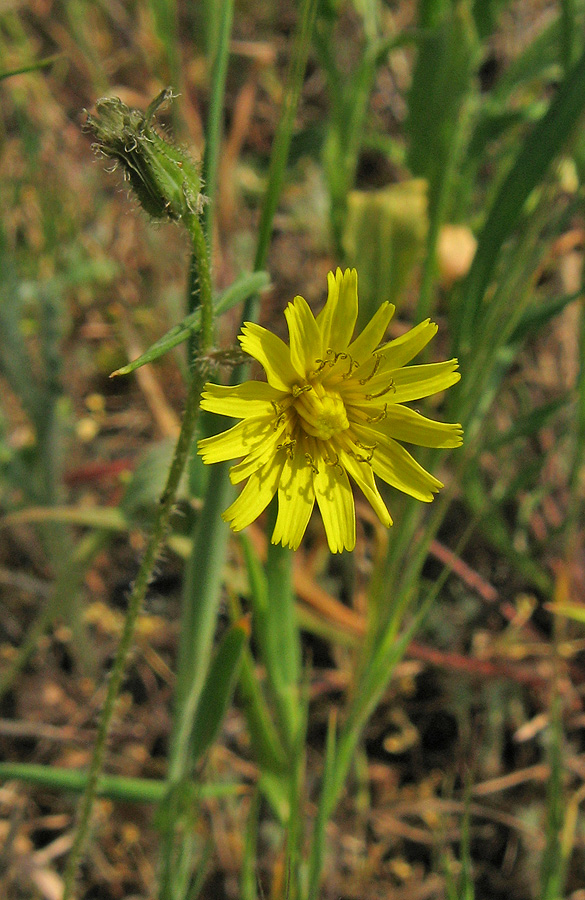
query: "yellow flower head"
332, 407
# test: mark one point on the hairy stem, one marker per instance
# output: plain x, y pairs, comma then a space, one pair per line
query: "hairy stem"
151, 555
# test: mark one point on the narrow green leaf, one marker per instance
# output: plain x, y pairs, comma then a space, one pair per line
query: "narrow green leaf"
248, 876
239, 291
571, 610
115, 787
273, 627
31, 67
492, 124
527, 425
539, 314
494, 527
275, 790
284, 129
552, 867
536, 155
486, 13
218, 689
264, 739
326, 802
108, 518
440, 81
539, 60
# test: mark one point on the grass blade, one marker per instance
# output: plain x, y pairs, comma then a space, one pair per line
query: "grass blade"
115, 787
536, 155
218, 689
238, 292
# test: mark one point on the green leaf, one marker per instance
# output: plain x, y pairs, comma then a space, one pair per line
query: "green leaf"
318, 842
538, 61
31, 67
539, 314
486, 13
148, 480
274, 789
274, 629
441, 79
527, 425
218, 689
248, 876
492, 124
553, 865
571, 610
109, 518
264, 739
129, 790
540, 148
246, 286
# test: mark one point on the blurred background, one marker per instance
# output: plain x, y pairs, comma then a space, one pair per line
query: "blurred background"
411, 119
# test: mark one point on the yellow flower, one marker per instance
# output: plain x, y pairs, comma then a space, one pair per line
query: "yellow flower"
331, 407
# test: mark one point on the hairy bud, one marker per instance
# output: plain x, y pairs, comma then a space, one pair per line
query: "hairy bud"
163, 177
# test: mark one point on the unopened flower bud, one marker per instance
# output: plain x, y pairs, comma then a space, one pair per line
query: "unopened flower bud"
163, 177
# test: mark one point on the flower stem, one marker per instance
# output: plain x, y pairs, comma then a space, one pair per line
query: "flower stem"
151, 555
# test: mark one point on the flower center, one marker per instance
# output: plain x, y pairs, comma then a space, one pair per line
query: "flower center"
322, 412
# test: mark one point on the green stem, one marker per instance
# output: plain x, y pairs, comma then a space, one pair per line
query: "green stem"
134, 608
209, 549
201, 257
145, 573
210, 157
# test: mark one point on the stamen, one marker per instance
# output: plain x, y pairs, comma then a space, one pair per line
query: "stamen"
378, 359
296, 391
289, 446
353, 364
280, 414
325, 362
367, 447
334, 462
379, 417
391, 387
362, 459
311, 462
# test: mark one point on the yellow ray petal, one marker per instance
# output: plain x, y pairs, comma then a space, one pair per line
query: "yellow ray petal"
396, 466
252, 398
256, 495
325, 317
306, 345
364, 345
362, 474
335, 500
259, 455
272, 354
296, 498
403, 385
404, 424
240, 440
337, 319
401, 350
